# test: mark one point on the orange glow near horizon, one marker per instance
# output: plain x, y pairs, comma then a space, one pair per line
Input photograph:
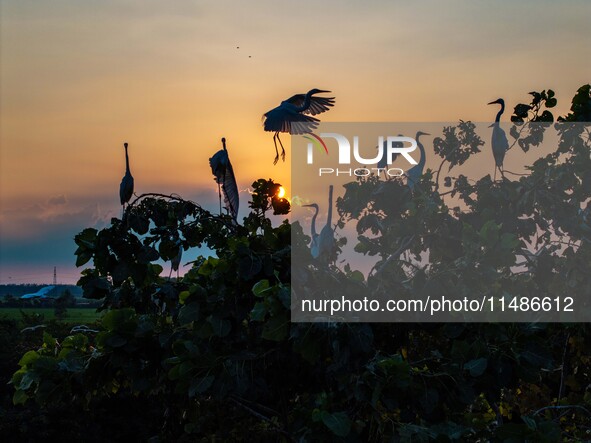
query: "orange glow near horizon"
173, 78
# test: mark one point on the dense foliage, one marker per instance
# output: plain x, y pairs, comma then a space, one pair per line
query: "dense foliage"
213, 355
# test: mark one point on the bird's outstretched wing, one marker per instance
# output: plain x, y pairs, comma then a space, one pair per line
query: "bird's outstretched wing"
284, 120
230, 189
224, 176
318, 105
218, 165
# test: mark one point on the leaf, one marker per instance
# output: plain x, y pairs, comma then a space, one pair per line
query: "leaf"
258, 312
138, 223
476, 366
188, 313
514, 132
260, 288
28, 359
200, 384
115, 341
147, 255
183, 296
357, 276
509, 241
86, 238
284, 296
82, 257
521, 110
20, 397
537, 355
26, 381
551, 102
337, 422
220, 326
530, 422
276, 328
118, 319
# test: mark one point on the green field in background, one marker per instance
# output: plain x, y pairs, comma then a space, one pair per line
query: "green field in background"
74, 315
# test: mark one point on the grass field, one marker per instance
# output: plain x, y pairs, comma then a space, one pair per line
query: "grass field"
74, 315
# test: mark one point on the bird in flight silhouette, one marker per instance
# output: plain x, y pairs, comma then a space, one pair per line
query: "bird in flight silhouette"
294, 116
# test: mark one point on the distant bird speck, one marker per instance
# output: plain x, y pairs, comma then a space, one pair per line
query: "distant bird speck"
290, 116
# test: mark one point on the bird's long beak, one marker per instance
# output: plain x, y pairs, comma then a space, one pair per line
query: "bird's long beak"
322, 90
493, 103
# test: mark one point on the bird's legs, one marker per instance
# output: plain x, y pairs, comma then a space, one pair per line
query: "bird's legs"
282, 148
500, 168
275, 138
276, 150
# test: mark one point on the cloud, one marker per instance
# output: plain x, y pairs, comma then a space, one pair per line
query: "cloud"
58, 200
25, 222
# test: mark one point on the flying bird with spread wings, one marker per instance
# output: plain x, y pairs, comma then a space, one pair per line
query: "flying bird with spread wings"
294, 116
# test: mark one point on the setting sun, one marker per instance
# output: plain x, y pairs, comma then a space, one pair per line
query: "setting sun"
281, 192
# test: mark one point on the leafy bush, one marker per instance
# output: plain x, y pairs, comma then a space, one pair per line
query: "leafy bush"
213, 355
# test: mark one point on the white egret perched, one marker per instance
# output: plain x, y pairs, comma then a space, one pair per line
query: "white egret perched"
383, 162
126, 187
326, 242
413, 175
499, 142
314, 243
290, 116
224, 177
323, 246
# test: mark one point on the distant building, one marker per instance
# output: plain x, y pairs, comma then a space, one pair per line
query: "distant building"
41, 293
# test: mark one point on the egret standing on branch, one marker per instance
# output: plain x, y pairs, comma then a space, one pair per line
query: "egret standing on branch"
413, 175
326, 242
224, 177
314, 244
290, 116
323, 246
499, 142
383, 162
126, 187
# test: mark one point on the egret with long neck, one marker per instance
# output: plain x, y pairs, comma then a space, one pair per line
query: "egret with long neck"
414, 174
326, 242
322, 246
499, 141
126, 187
314, 250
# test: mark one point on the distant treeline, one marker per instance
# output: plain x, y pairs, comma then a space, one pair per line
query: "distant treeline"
19, 290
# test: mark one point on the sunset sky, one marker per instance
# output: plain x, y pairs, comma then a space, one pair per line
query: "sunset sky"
79, 78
